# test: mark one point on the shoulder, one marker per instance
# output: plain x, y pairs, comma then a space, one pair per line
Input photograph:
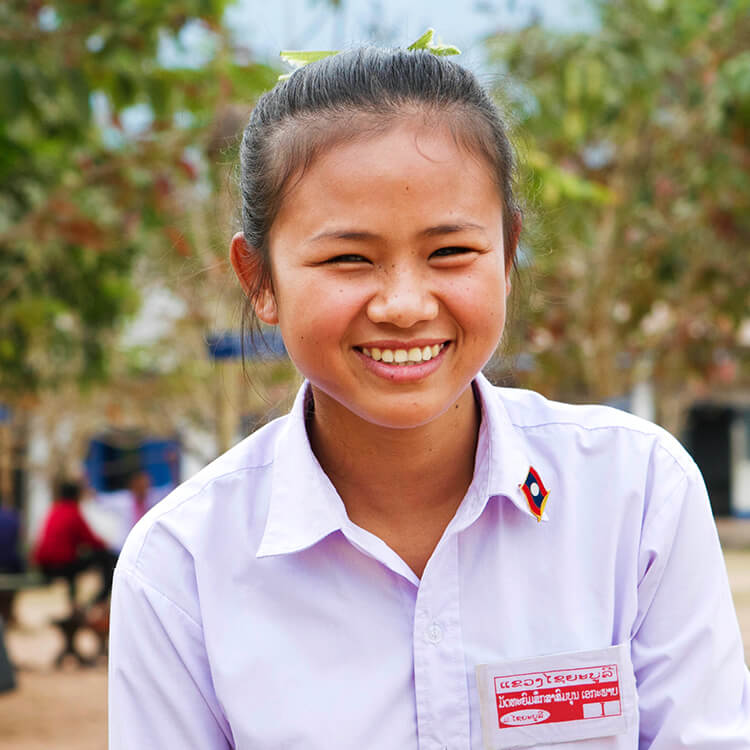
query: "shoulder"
222, 506
607, 430
605, 469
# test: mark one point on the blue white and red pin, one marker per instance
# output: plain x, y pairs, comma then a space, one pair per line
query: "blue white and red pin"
536, 493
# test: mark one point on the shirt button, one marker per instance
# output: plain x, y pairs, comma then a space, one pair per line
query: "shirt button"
434, 633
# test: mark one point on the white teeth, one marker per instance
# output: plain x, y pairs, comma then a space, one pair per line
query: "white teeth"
403, 357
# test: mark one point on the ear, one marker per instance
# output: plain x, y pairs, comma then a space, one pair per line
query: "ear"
248, 265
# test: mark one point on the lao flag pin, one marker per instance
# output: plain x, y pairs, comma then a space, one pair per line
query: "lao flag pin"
536, 493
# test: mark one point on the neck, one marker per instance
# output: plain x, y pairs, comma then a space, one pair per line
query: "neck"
391, 480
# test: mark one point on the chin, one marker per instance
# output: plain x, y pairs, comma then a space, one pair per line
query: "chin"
403, 416
396, 408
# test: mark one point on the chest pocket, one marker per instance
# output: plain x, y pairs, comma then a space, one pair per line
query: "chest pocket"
588, 696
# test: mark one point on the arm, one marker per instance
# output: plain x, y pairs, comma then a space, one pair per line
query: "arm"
693, 685
160, 689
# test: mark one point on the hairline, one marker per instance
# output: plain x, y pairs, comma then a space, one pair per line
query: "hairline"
455, 119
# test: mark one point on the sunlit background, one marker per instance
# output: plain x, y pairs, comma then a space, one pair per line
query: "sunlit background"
120, 319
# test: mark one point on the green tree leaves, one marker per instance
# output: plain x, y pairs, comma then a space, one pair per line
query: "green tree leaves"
642, 194
83, 192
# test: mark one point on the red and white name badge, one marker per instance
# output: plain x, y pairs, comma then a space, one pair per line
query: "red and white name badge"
557, 698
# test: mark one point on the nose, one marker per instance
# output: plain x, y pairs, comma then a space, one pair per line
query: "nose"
403, 299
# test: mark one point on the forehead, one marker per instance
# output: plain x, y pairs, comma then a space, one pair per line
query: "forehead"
414, 167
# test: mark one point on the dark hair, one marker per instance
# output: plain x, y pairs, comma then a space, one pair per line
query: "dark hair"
69, 492
357, 92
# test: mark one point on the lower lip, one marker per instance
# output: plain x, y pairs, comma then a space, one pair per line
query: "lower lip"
403, 373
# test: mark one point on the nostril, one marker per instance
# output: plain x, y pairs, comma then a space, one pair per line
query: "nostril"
403, 302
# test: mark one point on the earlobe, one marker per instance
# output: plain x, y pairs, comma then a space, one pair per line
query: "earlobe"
248, 265
265, 307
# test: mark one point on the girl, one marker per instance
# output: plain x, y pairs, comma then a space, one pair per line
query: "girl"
413, 558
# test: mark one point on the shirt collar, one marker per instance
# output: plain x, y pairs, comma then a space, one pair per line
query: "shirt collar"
502, 459
305, 507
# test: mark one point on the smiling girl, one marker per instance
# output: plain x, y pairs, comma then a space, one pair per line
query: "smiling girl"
413, 558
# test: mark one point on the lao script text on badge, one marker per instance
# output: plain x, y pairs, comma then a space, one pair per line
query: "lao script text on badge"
558, 695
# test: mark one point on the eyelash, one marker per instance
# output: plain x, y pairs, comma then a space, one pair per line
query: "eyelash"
443, 252
347, 258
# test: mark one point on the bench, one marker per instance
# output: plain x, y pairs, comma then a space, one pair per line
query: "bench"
69, 626
11, 584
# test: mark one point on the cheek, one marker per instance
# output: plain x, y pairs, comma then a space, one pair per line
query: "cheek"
319, 308
490, 319
480, 303
316, 314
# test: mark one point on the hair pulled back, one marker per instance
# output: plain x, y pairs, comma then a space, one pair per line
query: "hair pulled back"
355, 93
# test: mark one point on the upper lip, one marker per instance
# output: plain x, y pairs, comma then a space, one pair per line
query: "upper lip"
393, 344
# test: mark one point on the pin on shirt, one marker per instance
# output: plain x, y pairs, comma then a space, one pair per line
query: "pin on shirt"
536, 493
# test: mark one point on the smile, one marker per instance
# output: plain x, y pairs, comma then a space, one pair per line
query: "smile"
403, 357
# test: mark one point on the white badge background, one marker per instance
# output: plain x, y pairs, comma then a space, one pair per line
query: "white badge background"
568, 731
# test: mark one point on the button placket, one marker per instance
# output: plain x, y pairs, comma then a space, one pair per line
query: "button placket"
443, 713
434, 633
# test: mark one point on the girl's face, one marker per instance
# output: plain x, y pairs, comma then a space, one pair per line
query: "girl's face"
389, 248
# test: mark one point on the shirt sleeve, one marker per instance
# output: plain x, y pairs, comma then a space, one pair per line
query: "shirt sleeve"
160, 688
693, 685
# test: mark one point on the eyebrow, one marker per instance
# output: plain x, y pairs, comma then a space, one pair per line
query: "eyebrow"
436, 231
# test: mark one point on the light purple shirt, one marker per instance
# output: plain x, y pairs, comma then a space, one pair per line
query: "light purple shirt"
250, 612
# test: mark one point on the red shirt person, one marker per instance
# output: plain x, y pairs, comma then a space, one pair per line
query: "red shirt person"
67, 545
65, 535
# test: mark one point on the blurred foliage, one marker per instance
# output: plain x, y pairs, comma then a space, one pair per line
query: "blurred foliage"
101, 139
639, 182
118, 124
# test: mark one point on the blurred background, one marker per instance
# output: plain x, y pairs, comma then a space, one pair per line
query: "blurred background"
120, 333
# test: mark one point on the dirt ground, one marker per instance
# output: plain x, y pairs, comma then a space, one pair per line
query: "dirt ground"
66, 709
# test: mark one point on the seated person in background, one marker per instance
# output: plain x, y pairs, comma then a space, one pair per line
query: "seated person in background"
141, 495
67, 546
10, 531
124, 508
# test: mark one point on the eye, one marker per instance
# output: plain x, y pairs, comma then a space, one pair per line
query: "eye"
447, 252
347, 258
